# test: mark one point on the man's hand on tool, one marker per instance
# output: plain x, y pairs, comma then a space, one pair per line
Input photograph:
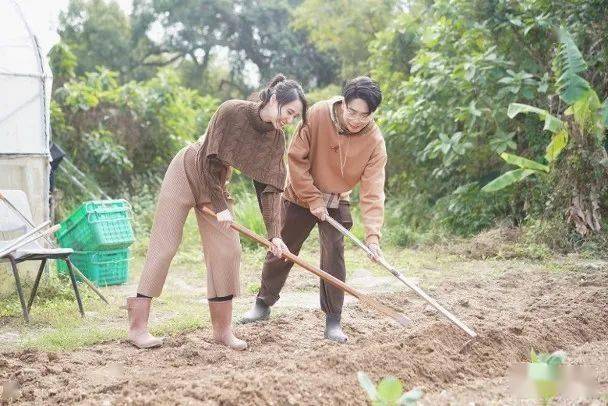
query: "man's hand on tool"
225, 219
278, 247
319, 212
376, 254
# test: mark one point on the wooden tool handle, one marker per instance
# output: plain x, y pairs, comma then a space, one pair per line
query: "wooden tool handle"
30, 237
24, 237
89, 283
400, 318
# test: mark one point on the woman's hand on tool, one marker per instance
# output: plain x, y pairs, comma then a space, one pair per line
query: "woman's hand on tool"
225, 219
319, 212
376, 252
278, 247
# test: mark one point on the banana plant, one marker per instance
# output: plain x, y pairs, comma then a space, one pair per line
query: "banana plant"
527, 167
389, 391
583, 122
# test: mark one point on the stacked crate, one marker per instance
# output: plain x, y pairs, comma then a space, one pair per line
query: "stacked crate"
100, 233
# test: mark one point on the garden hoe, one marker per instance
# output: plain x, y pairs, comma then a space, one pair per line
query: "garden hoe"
395, 315
400, 276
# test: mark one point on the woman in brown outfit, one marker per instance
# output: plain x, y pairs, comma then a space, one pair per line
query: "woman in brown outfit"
246, 135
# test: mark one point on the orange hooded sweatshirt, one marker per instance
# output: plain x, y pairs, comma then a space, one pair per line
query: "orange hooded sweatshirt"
323, 159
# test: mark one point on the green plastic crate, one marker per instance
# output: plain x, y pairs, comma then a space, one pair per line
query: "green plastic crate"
103, 268
98, 225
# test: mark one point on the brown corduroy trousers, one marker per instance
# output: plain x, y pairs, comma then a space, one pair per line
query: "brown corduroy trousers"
297, 223
221, 249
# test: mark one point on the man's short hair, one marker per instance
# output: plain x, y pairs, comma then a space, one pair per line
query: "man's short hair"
363, 87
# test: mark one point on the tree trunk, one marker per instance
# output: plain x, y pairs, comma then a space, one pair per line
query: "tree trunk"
585, 178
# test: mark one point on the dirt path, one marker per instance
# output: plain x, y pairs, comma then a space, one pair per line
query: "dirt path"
289, 363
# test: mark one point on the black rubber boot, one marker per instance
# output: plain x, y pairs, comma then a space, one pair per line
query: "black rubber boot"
259, 312
333, 331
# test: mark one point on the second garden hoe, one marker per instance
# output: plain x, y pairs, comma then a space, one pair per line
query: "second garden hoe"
400, 276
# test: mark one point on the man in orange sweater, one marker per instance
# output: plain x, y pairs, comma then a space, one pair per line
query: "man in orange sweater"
339, 147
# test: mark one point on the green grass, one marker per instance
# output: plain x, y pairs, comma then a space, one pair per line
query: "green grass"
56, 323
57, 326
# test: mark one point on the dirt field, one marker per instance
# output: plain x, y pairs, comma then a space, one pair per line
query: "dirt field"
513, 309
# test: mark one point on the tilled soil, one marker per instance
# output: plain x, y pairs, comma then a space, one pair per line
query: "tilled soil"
289, 362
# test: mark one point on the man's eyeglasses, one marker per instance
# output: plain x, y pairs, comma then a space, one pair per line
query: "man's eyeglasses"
355, 115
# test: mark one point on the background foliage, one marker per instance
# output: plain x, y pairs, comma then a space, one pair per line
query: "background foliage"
130, 91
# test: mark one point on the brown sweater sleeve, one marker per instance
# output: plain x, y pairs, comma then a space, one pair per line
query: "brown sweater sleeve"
299, 168
372, 193
213, 172
269, 200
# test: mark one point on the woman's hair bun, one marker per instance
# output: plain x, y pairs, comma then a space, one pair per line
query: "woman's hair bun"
286, 91
266, 93
275, 80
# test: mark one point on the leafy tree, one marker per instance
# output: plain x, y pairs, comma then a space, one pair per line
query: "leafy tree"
440, 111
246, 30
98, 33
275, 47
345, 28
445, 111
63, 64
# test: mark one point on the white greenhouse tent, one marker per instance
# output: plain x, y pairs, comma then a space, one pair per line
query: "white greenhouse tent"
25, 93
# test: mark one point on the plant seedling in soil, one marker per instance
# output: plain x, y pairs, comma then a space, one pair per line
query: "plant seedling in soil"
545, 372
389, 391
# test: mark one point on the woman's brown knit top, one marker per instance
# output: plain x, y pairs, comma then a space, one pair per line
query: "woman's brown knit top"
237, 137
